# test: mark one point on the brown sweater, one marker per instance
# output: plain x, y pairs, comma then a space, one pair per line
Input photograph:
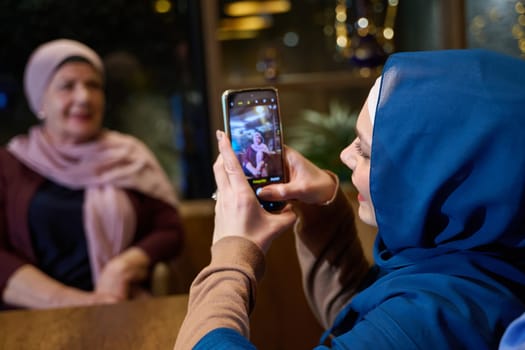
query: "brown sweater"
159, 229
331, 260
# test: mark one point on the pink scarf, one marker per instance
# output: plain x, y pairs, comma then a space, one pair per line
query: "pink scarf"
103, 168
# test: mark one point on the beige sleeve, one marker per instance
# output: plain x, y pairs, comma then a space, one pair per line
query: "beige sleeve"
330, 255
223, 293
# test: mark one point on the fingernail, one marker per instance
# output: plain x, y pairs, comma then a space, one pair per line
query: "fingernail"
218, 134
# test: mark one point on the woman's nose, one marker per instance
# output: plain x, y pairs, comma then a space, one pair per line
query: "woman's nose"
81, 92
347, 156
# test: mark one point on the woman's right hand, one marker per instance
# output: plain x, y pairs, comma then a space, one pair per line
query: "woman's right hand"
307, 182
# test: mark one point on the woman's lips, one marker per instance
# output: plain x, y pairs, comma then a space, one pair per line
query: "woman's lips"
360, 197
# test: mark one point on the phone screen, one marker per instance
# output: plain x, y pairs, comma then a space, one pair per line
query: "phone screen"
252, 122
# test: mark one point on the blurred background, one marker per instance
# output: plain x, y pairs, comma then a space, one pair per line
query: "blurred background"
168, 61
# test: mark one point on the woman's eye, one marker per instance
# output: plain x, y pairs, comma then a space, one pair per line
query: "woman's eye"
360, 150
95, 85
66, 86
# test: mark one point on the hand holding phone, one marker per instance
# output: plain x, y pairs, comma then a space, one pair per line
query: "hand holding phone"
253, 125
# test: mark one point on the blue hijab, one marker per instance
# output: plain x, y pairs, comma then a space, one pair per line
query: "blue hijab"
447, 181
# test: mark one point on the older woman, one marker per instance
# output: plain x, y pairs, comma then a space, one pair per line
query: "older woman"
439, 164
84, 211
254, 156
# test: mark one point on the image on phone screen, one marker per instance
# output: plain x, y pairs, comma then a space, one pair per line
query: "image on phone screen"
254, 128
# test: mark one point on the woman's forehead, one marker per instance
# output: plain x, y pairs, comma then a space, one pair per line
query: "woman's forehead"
364, 125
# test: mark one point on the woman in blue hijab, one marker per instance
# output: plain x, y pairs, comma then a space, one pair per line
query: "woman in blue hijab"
439, 163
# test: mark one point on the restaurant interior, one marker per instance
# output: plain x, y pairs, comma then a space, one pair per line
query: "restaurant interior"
168, 62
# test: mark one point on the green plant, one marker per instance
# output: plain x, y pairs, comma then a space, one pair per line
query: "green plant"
321, 137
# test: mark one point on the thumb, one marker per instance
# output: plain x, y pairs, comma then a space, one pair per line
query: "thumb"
278, 192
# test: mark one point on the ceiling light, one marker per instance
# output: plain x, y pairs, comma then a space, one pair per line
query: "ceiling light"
247, 8
246, 23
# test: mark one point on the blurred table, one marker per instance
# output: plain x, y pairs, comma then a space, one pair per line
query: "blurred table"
142, 324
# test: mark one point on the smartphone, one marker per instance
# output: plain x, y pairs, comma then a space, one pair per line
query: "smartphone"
253, 124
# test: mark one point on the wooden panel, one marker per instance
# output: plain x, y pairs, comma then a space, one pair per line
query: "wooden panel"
453, 24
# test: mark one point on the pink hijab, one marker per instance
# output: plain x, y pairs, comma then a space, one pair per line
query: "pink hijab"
104, 168
43, 63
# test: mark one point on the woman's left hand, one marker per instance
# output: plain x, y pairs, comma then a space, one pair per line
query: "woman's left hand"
237, 211
121, 271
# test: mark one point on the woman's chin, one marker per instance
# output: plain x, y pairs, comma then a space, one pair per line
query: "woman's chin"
367, 215
78, 136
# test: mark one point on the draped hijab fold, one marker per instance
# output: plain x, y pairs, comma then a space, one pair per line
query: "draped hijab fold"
104, 168
447, 180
